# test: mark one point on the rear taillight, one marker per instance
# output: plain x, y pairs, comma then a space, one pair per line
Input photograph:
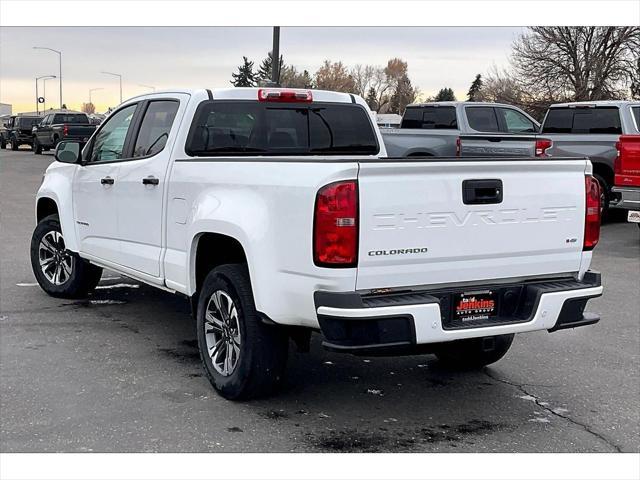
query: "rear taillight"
617, 162
277, 95
542, 144
335, 225
458, 146
592, 213
65, 130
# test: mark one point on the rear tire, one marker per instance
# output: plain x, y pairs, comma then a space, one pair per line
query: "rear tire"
242, 356
14, 145
36, 147
59, 272
3, 144
605, 194
473, 353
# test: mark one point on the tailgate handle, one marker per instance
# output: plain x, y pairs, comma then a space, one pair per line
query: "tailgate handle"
482, 192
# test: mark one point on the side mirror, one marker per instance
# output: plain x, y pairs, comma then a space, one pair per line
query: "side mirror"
68, 152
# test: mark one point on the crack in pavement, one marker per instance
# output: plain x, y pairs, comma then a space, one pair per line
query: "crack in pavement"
540, 404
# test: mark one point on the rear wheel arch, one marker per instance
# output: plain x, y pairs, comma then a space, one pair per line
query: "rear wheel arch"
211, 250
604, 171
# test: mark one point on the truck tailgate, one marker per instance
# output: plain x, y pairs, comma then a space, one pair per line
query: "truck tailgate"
497, 145
518, 218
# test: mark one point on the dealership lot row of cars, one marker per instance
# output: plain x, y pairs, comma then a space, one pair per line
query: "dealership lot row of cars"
606, 132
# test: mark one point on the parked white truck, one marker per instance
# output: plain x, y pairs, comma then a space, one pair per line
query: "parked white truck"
278, 213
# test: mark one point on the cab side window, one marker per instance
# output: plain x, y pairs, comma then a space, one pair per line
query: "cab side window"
109, 141
155, 127
515, 122
482, 119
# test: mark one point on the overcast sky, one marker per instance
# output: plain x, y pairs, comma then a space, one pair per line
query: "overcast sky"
206, 56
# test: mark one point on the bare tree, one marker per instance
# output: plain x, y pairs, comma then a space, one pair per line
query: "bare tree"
577, 63
362, 78
502, 86
88, 108
334, 76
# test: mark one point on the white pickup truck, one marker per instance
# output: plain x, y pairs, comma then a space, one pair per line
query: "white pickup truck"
278, 213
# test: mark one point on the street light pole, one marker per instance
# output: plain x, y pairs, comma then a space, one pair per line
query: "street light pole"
37, 96
275, 56
59, 67
120, 77
44, 91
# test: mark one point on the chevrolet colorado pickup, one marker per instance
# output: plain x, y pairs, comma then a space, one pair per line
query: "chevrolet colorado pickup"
465, 129
54, 127
592, 129
278, 213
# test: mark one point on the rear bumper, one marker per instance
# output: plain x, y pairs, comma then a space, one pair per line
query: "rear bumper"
629, 197
414, 321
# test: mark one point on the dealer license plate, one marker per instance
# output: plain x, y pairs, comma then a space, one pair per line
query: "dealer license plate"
475, 306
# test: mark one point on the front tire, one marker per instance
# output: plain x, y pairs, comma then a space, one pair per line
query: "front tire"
59, 272
14, 145
36, 147
473, 353
242, 357
3, 144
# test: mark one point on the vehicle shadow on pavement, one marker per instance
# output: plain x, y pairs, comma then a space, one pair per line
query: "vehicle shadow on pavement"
333, 402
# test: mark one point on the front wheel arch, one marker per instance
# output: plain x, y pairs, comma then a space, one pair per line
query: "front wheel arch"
46, 206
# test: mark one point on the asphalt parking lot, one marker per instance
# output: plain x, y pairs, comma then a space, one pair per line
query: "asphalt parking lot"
120, 372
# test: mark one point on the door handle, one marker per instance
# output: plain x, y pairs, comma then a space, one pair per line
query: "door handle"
150, 180
482, 192
107, 181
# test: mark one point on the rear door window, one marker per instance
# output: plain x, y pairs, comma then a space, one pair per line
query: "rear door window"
430, 117
592, 120
482, 119
257, 128
155, 127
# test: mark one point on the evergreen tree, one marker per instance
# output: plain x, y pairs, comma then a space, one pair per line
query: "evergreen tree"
306, 79
264, 71
474, 90
445, 95
245, 76
372, 99
402, 96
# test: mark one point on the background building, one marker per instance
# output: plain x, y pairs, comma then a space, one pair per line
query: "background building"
5, 109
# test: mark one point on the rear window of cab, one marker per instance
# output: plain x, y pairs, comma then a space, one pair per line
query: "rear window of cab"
430, 118
243, 127
579, 120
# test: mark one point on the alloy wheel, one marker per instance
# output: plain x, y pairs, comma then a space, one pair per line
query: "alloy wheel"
222, 332
56, 262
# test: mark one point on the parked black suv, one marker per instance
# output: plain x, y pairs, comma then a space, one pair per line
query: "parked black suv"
18, 131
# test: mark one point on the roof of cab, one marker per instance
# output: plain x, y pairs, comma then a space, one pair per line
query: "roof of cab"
458, 102
251, 93
597, 103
